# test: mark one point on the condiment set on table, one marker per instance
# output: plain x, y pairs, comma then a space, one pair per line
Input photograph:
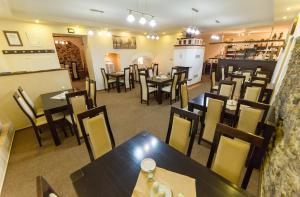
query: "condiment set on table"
158, 189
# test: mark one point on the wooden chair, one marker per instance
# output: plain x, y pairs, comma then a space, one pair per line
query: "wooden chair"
44, 189
78, 102
38, 112
222, 73
226, 88
150, 72
263, 74
214, 86
184, 96
232, 152
230, 69
182, 130
260, 80
253, 92
248, 74
249, 114
146, 90
136, 72
258, 68
93, 92
107, 82
126, 81
155, 69
38, 122
87, 85
240, 80
173, 71
96, 131
213, 114
172, 89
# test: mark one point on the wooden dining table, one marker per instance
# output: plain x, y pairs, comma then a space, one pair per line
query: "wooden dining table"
115, 173
52, 106
118, 76
160, 82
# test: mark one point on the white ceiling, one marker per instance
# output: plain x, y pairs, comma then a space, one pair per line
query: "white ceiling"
171, 15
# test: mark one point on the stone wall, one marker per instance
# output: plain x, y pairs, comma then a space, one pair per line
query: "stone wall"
281, 173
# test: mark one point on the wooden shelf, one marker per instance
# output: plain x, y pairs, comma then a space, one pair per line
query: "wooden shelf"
250, 41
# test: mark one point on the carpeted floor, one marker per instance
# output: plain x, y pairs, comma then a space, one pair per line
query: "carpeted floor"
127, 117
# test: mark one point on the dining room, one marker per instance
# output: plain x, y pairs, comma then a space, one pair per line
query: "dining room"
203, 105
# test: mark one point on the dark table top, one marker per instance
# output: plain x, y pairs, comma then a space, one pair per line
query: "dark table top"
198, 102
116, 74
157, 80
116, 173
49, 103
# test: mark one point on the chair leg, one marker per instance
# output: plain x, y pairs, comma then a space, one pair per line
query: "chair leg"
77, 134
62, 126
38, 137
71, 129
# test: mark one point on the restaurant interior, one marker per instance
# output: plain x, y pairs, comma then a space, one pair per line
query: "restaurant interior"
124, 98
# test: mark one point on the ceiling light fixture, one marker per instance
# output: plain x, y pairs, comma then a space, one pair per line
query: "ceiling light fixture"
152, 36
288, 9
142, 20
90, 33
284, 18
37, 21
152, 22
130, 17
193, 30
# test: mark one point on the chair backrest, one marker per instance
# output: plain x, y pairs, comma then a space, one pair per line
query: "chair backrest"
213, 79
182, 130
131, 68
248, 75
105, 80
262, 74
155, 69
232, 152
144, 86
74, 70
214, 113
240, 80
93, 92
230, 69
260, 80
78, 102
100, 139
25, 108
28, 100
44, 189
222, 73
254, 92
150, 72
173, 71
249, 114
258, 68
226, 88
175, 79
87, 85
184, 96
127, 77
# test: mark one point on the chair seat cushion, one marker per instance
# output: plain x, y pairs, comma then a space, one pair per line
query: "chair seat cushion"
39, 111
166, 89
42, 120
111, 81
152, 89
215, 87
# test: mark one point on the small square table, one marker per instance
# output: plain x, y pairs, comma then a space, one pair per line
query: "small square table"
160, 83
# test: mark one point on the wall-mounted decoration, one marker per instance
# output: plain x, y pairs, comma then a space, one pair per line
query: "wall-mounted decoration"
7, 52
124, 42
13, 38
71, 30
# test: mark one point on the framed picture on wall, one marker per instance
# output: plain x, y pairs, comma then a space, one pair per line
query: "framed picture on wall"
13, 38
124, 42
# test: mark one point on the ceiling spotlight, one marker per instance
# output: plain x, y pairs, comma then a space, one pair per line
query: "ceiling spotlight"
148, 36
108, 33
152, 23
197, 32
96, 10
189, 30
56, 41
142, 20
152, 37
130, 18
90, 33
288, 9
157, 37
100, 33
37, 21
193, 31
284, 18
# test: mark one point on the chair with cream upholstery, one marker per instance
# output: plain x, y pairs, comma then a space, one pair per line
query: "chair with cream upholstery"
96, 131
126, 81
155, 69
38, 112
249, 115
107, 82
78, 102
146, 90
37, 122
248, 74
173, 71
182, 129
258, 68
230, 69
260, 80
240, 80
93, 92
226, 88
263, 74
229, 151
172, 89
254, 92
214, 112
136, 72
214, 86
184, 96
87, 85
150, 72
222, 73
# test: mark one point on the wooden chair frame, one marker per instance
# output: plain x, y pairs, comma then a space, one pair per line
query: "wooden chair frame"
155, 66
252, 104
181, 104
225, 82
256, 141
89, 114
211, 85
103, 72
20, 90
148, 94
125, 69
190, 116
262, 91
202, 118
266, 80
176, 89
70, 108
95, 89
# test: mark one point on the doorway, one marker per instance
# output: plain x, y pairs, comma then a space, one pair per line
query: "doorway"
71, 55
112, 62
